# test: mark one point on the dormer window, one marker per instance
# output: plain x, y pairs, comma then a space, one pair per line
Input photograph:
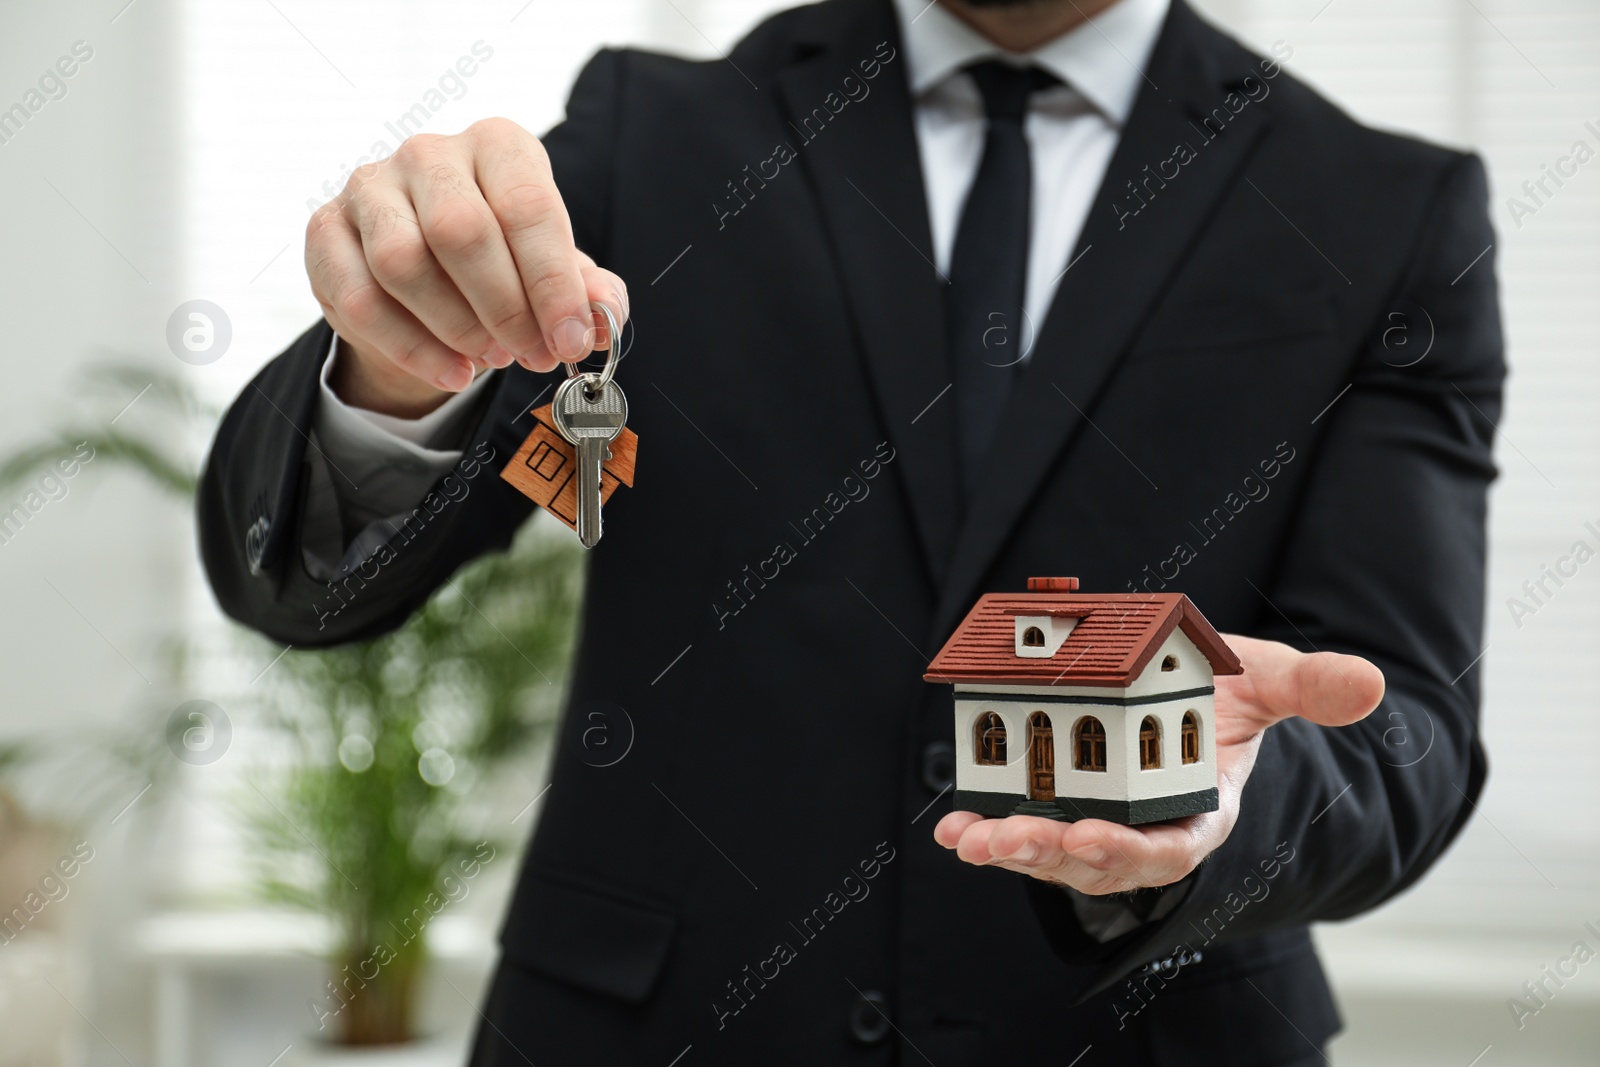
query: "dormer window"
1041, 636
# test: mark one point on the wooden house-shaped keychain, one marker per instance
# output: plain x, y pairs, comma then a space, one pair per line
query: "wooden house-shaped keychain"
1077, 705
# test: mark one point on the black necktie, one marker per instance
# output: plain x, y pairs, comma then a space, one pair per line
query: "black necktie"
989, 265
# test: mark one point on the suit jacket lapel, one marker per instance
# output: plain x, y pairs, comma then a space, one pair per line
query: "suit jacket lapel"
1119, 269
866, 173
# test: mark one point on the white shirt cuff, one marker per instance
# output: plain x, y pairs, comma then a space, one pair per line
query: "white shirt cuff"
375, 430
382, 465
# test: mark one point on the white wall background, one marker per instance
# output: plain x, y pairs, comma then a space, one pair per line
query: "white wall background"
182, 161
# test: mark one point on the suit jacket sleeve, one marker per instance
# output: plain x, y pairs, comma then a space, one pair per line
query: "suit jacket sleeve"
253, 489
1387, 562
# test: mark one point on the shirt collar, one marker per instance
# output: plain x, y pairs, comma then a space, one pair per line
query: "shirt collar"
1103, 59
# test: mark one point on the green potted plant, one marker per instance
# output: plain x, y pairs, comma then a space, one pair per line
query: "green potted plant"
367, 815
371, 814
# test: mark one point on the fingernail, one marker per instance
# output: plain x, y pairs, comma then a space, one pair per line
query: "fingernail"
1026, 854
457, 378
621, 294
1093, 855
572, 338
498, 356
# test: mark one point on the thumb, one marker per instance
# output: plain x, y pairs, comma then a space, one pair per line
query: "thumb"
1327, 688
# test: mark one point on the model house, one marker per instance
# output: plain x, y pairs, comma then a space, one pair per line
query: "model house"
1084, 706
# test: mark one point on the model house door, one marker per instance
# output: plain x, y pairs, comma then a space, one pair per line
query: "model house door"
1041, 758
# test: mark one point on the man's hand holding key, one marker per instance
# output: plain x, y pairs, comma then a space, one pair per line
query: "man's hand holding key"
453, 255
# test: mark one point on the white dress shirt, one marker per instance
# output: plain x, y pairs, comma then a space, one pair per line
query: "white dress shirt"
1072, 130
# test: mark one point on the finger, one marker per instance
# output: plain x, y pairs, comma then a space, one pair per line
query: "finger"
1336, 689
1328, 688
360, 310
950, 828
605, 288
973, 847
464, 237
514, 174
399, 257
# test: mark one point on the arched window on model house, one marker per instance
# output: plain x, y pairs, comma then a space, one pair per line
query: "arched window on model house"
1191, 737
1089, 745
989, 740
1149, 744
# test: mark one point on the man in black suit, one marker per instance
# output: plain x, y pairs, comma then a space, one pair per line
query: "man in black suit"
985, 290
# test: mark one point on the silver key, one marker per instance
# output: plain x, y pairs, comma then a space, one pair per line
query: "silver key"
590, 414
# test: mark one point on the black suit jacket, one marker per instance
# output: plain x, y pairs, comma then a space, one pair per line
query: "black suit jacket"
1269, 380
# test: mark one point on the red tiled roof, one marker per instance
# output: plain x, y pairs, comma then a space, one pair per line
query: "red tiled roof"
1117, 637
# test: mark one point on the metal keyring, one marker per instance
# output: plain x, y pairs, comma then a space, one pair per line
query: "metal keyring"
612, 356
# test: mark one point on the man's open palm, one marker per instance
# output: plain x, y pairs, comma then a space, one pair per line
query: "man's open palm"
1094, 856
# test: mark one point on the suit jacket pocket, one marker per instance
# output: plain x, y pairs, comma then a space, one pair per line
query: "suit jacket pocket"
589, 939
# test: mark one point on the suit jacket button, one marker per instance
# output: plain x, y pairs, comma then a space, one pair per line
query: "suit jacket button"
255, 543
869, 1018
939, 766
